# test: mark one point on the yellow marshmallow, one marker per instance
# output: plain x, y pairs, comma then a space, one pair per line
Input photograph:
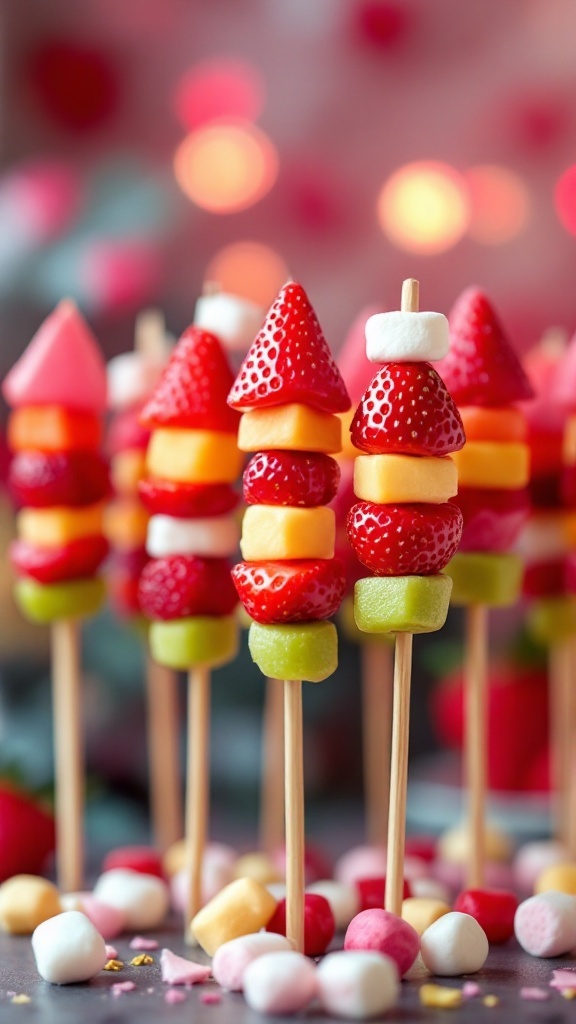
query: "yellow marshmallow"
388, 479
271, 532
194, 456
258, 866
126, 524
560, 877
25, 902
241, 908
292, 427
55, 527
502, 465
127, 469
421, 912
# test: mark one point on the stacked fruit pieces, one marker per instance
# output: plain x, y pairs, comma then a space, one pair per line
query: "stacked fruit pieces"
290, 392
191, 462
58, 392
486, 378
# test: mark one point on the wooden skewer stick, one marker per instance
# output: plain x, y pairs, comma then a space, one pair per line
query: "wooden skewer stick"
570, 741
558, 671
197, 787
294, 781
476, 726
376, 737
68, 755
272, 788
163, 754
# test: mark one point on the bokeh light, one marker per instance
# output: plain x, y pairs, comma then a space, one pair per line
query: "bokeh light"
565, 199
423, 207
226, 167
250, 270
218, 89
499, 204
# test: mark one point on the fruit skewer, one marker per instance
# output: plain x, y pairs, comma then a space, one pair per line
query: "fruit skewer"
58, 392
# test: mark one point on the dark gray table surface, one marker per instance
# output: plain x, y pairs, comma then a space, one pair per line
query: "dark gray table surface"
507, 970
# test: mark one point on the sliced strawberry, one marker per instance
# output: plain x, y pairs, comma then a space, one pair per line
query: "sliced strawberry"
290, 361
407, 409
492, 519
300, 591
41, 479
404, 540
290, 478
76, 560
481, 367
186, 501
193, 389
181, 585
125, 432
26, 833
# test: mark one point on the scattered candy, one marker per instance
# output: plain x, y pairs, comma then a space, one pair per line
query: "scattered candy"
231, 960
534, 994
111, 952
25, 902
455, 944
343, 899
563, 978
356, 984
439, 997
68, 949
210, 998
470, 989
109, 921
545, 924
421, 912
176, 970
559, 877
493, 909
490, 1001
173, 997
280, 983
113, 965
242, 908
144, 899
533, 858
143, 960
140, 942
379, 931
119, 987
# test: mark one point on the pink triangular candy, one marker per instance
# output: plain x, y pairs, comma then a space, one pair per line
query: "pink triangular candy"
61, 366
176, 970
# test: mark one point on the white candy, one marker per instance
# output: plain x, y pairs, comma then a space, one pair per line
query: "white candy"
212, 537
68, 949
545, 925
533, 858
280, 983
344, 900
132, 378
406, 337
233, 320
231, 960
543, 539
455, 944
430, 888
145, 899
357, 985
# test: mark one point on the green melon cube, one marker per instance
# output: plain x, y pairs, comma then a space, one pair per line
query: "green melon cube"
199, 641
300, 650
402, 604
350, 630
480, 578
44, 603
553, 619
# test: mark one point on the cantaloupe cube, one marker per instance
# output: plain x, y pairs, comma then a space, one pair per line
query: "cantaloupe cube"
292, 427
493, 464
194, 456
127, 469
126, 524
51, 428
348, 450
56, 527
391, 479
494, 424
271, 532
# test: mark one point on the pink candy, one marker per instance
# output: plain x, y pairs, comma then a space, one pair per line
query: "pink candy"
382, 932
176, 970
231, 959
545, 925
109, 921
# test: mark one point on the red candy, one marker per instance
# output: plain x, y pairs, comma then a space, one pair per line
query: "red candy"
186, 501
371, 892
494, 909
143, 859
319, 925
289, 360
76, 560
404, 540
178, 586
407, 409
27, 832
492, 518
547, 579
193, 389
383, 932
41, 480
290, 478
302, 590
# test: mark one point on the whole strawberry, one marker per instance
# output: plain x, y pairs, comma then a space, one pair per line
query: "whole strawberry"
404, 540
303, 479
178, 586
302, 590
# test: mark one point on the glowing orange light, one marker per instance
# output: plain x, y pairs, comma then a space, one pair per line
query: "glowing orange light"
216, 89
565, 199
499, 204
226, 167
249, 269
423, 207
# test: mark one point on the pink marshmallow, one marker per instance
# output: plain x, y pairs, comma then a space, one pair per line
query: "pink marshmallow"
231, 959
360, 862
176, 970
280, 983
383, 932
109, 921
545, 925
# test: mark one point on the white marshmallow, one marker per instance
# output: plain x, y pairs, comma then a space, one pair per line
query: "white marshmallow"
145, 899
212, 536
277, 890
360, 862
455, 944
533, 858
233, 320
280, 983
545, 925
430, 889
68, 949
344, 900
216, 874
543, 538
231, 960
132, 378
406, 337
357, 985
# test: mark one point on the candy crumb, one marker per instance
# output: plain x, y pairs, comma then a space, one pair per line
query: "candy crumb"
534, 994
470, 989
210, 998
440, 997
568, 993
113, 965
20, 999
563, 978
141, 942
122, 986
141, 961
490, 1001
173, 996
111, 952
